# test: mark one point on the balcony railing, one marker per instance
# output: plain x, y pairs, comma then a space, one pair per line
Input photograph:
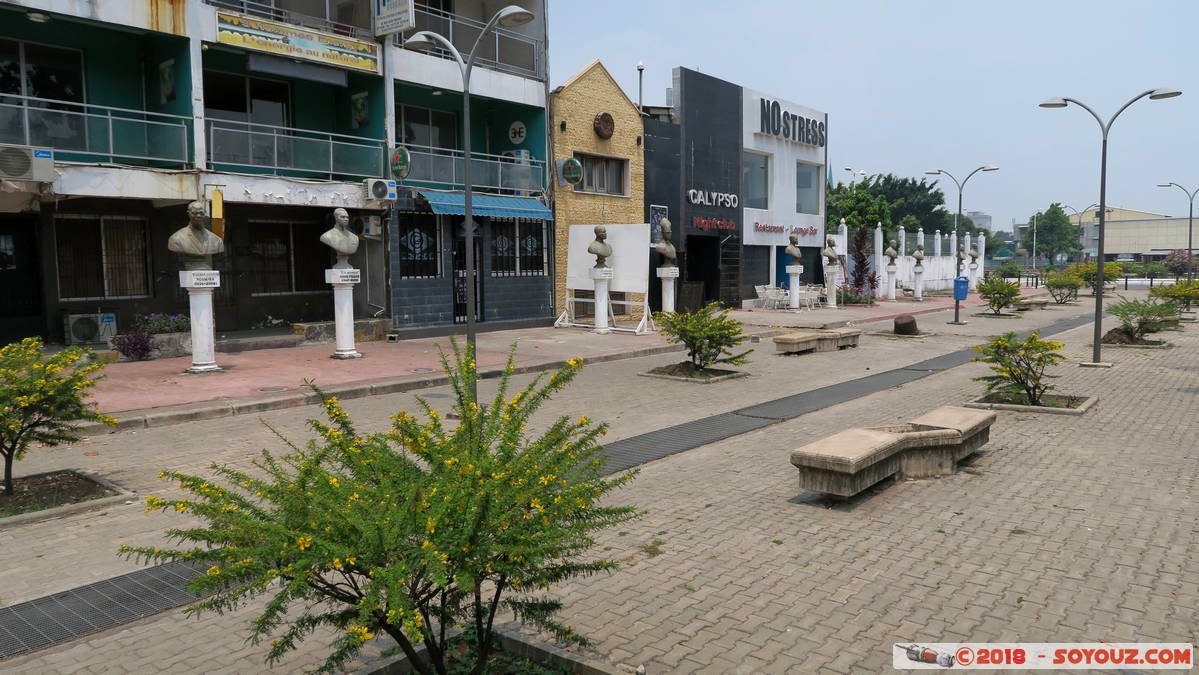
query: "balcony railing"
302, 151
95, 132
271, 9
501, 173
502, 49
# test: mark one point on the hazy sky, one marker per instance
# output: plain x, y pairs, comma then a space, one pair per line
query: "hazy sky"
913, 85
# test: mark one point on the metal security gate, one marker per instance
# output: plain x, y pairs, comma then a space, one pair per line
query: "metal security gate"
20, 277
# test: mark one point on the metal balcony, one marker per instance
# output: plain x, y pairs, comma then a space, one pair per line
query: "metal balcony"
95, 132
503, 50
288, 151
442, 167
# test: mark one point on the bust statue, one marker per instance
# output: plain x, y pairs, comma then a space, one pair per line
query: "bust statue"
195, 242
830, 251
665, 248
793, 250
341, 240
973, 255
891, 253
918, 254
600, 248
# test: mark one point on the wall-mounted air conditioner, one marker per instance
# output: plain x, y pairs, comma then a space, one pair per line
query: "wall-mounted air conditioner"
380, 189
82, 329
370, 226
20, 162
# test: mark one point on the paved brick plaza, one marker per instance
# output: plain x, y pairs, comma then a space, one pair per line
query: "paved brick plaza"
1066, 529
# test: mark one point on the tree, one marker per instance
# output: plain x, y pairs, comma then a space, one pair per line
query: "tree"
920, 199
1055, 233
1019, 366
862, 280
1177, 262
858, 207
413, 531
708, 333
998, 292
41, 396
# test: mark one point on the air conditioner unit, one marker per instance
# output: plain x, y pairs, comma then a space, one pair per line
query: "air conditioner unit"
20, 162
370, 226
380, 189
520, 156
82, 329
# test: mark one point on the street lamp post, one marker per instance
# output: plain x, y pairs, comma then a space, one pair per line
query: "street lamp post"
1105, 127
854, 175
1190, 223
1083, 243
957, 304
510, 16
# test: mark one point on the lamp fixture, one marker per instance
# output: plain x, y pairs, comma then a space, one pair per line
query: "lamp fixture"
37, 17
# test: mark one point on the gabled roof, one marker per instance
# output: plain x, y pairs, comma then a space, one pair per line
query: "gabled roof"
588, 68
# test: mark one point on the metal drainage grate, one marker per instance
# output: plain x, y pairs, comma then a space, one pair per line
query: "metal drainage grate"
271, 390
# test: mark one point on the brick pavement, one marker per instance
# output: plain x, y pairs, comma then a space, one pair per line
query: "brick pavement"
832, 591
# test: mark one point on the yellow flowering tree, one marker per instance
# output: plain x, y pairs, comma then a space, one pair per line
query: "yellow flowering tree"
408, 532
1019, 366
40, 396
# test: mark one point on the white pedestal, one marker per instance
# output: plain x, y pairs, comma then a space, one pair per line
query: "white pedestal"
199, 285
830, 285
919, 285
343, 281
602, 277
891, 282
668, 275
973, 276
793, 272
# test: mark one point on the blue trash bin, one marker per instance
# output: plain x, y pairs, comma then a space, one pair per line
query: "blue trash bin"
961, 287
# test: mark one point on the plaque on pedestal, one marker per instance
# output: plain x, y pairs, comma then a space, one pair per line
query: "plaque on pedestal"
602, 273
794, 269
199, 278
343, 276
668, 272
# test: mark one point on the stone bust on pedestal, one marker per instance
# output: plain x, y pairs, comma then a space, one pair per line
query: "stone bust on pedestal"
665, 248
830, 251
600, 248
343, 242
195, 242
919, 255
973, 255
891, 253
793, 250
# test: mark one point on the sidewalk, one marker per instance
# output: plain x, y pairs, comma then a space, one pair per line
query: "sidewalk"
848, 315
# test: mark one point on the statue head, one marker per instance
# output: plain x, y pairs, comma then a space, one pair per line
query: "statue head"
196, 215
601, 233
341, 218
831, 243
665, 225
920, 247
894, 243
795, 240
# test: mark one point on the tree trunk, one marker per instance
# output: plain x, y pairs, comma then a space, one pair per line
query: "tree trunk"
8, 458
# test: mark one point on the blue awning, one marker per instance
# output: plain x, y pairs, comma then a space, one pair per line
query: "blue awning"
501, 206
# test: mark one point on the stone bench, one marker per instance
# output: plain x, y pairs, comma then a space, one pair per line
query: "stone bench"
1029, 303
816, 340
850, 461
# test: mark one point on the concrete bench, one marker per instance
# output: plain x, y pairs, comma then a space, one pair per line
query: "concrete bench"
1030, 303
816, 340
850, 461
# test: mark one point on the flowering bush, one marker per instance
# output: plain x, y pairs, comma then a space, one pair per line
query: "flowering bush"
1185, 292
1063, 286
709, 334
1178, 261
409, 532
1019, 365
163, 323
40, 395
1089, 272
134, 345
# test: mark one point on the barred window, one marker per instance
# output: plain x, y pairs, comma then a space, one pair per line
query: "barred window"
286, 258
518, 249
101, 257
420, 247
603, 175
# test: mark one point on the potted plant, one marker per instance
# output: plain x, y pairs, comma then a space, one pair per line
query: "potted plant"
1018, 380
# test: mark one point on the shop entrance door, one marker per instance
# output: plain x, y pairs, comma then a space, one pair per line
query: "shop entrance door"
21, 301
460, 279
703, 264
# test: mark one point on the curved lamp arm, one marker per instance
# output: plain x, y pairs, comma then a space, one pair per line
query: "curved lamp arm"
1106, 126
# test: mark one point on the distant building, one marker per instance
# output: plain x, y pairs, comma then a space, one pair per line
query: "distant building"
1123, 239
979, 218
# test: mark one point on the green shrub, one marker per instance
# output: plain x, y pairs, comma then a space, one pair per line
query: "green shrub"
41, 395
1063, 286
1154, 270
1088, 272
1179, 261
1138, 317
998, 293
1184, 292
1008, 270
163, 323
410, 532
1019, 365
708, 333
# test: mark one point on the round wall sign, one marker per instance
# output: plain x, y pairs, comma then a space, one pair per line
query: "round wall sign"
517, 133
604, 125
401, 163
572, 171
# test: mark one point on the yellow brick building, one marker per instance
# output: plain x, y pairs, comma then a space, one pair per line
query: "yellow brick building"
594, 121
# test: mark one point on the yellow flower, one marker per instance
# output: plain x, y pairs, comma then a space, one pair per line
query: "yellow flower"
213, 571
431, 525
427, 544
334, 482
360, 633
536, 503
351, 560
584, 419
303, 542
337, 563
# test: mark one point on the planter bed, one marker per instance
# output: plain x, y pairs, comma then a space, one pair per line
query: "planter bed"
1162, 345
685, 372
1057, 404
992, 315
57, 493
